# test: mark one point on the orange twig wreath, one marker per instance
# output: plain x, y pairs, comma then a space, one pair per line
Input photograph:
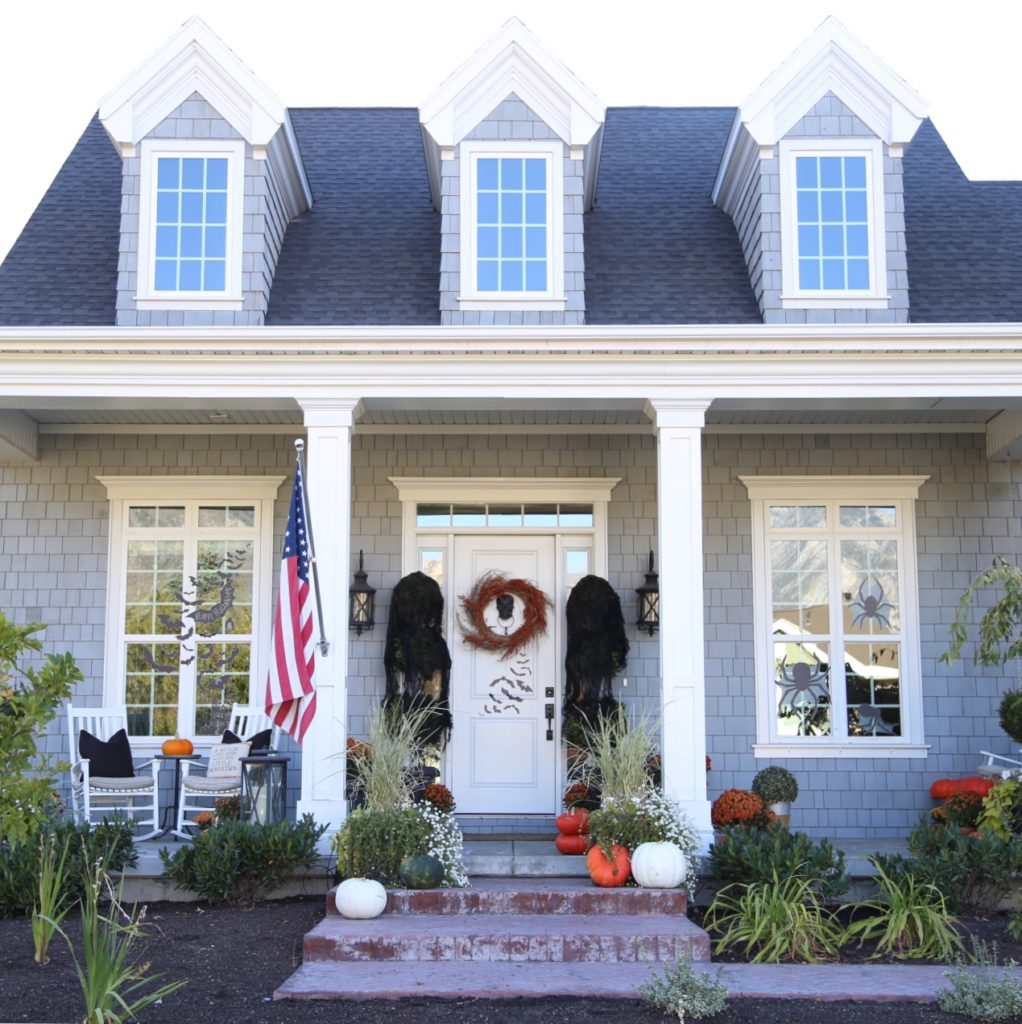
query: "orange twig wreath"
476, 631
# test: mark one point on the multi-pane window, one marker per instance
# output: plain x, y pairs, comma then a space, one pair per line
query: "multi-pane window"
511, 224
189, 596
838, 646
191, 224
833, 223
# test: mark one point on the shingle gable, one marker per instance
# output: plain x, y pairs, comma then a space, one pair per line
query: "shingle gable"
62, 270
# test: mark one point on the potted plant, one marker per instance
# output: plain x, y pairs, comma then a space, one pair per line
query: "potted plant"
740, 807
777, 788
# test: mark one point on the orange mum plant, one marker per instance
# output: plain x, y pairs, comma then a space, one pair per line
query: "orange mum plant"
740, 807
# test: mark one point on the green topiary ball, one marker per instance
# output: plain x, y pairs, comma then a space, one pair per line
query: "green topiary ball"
775, 785
1010, 714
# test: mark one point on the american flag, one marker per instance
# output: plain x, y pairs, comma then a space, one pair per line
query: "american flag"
290, 691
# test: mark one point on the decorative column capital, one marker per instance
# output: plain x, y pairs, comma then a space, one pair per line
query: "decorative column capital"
687, 413
330, 412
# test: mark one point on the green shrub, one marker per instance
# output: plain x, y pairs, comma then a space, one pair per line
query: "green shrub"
372, 844
974, 873
774, 921
1001, 812
986, 991
1009, 712
110, 844
685, 992
775, 785
29, 701
743, 855
909, 920
239, 862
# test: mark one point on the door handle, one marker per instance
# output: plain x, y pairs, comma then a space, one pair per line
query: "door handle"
550, 723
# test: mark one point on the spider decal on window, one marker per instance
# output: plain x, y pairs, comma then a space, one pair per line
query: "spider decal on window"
803, 684
869, 603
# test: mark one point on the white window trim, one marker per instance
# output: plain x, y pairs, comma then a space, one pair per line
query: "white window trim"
147, 297
553, 298
792, 297
902, 492
125, 491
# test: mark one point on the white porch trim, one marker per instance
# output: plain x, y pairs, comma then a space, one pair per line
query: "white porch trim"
679, 426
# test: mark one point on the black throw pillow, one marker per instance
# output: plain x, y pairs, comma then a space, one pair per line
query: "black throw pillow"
110, 759
260, 742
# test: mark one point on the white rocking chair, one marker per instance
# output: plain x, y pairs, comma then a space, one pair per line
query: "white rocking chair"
200, 792
110, 797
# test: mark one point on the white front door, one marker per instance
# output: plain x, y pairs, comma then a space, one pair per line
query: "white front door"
502, 761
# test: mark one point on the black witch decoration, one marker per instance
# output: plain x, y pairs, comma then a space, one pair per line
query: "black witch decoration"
416, 658
597, 650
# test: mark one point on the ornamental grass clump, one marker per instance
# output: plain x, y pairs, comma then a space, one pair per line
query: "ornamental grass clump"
617, 756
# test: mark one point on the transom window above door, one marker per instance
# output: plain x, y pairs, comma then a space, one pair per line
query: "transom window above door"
503, 515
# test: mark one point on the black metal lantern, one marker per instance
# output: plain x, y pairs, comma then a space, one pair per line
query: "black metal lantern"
361, 601
264, 789
649, 600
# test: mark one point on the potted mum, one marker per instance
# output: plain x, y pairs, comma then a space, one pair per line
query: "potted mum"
777, 788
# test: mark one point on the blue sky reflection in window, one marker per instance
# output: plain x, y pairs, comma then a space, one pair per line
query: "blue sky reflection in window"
511, 224
833, 227
191, 224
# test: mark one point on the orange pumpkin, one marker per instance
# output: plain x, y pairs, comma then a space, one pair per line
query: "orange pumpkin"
943, 788
571, 845
609, 872
573, 823
178, 746
975, 784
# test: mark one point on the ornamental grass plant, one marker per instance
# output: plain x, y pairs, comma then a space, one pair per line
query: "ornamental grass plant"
617, 755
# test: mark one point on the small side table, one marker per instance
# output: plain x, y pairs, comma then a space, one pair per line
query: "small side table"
171, 811
264, 788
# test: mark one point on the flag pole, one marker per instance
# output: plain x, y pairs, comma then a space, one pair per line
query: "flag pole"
324, 644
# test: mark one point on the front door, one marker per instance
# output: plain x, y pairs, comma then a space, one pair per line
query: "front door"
502, 761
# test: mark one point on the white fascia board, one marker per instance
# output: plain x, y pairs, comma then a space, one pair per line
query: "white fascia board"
194, 60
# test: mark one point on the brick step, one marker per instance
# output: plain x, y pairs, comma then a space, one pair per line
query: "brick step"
524, 938
531, 896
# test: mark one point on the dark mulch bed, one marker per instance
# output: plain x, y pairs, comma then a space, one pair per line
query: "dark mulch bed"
233, 960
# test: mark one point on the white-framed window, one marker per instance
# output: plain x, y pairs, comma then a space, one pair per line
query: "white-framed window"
512, 225
836, 617
834, 246
191, 213
188, 598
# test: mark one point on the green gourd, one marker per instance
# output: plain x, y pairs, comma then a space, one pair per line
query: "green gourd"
421, 871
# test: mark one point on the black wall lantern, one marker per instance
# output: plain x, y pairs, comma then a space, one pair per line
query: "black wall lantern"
649, 600
361, 601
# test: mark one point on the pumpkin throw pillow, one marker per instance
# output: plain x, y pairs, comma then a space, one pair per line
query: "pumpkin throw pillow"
108, 759
258, 744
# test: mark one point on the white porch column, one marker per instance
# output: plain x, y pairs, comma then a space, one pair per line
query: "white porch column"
330, 424
679, 426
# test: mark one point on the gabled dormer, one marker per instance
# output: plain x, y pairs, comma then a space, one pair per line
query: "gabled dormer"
812, 177
211, 177
512, 142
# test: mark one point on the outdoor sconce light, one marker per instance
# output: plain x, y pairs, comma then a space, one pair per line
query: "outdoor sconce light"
649, 600
361, 601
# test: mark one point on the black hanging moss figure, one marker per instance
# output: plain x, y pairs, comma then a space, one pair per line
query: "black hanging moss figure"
416, 658
597, 650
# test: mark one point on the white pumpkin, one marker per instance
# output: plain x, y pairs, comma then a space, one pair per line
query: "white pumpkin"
658, 866
360, 898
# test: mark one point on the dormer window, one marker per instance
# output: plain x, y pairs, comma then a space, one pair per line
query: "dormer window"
190, 225
832, 224
512, 225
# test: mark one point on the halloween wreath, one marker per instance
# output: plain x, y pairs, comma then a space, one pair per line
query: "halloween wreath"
493, 587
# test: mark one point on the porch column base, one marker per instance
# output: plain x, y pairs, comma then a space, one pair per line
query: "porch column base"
324, 812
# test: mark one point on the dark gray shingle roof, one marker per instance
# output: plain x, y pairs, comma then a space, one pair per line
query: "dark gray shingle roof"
657, 251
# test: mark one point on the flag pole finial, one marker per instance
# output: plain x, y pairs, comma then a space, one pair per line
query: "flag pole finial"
299, 445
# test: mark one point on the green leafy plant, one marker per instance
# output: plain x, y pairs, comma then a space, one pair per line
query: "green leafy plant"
684, 991
617, 756
110, 844
744, 855
775, 785
372, 844
1009, 713
962, 810
239, 862
29, 701
52, 903
111, 981
1000, 639
974, 873
908, 919
782, 919
984, 990
1001, 812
